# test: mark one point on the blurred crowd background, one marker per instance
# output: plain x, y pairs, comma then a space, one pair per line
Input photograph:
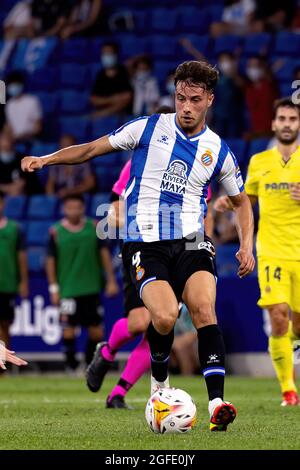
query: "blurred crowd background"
75, 70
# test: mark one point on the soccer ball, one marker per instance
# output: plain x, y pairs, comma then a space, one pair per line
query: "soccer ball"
170, 410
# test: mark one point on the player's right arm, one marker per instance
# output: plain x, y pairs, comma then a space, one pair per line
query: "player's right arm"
125, 138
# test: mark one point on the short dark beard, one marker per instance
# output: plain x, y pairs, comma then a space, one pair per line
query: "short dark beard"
287, 141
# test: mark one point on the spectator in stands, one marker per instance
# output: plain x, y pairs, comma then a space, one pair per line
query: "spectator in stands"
84, 19
261, 92
69, 180
12, 181
13, 271
236, 19
18, 23
50, 16
184, 350
276, 15
169, 98
145, 87
23, 110
112, 91
228, 109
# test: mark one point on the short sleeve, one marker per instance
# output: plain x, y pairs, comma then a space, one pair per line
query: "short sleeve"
252, 180
128, 136
230, 176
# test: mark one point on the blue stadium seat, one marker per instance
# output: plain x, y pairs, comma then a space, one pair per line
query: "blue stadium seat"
15, 207
227, 43
113, 160
36, 259
163, 68
215, 12
99, 198
239, 148
285, 89
44, 79
49, 101
43, 148
132, 45
74, 102
193, 19
37, 233
258, 145
77, 126
106, 177
227, 264
73, 75
286, 71
201, 43
41, 207
287, 44
257, 44
75, 50
104, 126
163, 46
163, 19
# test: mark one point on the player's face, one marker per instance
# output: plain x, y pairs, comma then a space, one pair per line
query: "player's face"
74, 211
192, 103
286, 125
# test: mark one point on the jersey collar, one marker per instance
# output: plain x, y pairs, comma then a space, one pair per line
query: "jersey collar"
292, 157
184, 135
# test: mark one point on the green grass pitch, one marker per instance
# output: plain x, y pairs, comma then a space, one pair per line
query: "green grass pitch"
60, 413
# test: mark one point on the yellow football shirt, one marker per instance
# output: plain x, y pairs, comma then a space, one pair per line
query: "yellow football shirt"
270, 179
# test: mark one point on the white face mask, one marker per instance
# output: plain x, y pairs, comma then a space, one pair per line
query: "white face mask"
226, 67
254, 73
7, 157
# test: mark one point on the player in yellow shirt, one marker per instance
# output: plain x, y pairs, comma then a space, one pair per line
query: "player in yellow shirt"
274, 181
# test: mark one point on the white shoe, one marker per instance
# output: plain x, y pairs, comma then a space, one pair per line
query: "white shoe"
155, 385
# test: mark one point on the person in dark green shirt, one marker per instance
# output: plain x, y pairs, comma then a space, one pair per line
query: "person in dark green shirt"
13, 270
78, 264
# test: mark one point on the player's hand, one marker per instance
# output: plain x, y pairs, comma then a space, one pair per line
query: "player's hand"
9, 356
222, 204
247, 262
111, 288
23, 289
55, 298
295, 192
30, 164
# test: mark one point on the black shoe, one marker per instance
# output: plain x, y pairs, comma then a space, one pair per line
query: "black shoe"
117, 402
97, 369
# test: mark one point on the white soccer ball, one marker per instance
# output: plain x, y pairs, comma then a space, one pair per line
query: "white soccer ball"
170, 410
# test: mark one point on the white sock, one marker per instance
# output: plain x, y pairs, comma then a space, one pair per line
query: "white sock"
213, 403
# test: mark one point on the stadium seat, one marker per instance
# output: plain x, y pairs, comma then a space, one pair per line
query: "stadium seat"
106, 177
49, 101
286, 71
104, 126
37, 233
163, 20
193, 19
113, 160
43, 148
287, 44
132, 45
285, 89
75, 50
227, 264
239, 148
77, 126
257, 44
215, 13
74, 101
73, 75
41, 207
36, 259
43, 79
227, 43
163, 46
163, 68
15, 207
201, 43
99, 198
258, 145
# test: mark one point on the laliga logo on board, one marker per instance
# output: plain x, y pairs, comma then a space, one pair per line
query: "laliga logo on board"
207, 158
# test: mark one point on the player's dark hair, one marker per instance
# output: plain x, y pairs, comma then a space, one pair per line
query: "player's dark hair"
197, 73
164, 109
16, 76
113, 45
74, 197
284, 103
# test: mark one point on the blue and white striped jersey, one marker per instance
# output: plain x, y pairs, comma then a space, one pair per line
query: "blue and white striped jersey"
170, 175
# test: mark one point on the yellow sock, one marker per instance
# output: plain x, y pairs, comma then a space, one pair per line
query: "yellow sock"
280, 349
292, 335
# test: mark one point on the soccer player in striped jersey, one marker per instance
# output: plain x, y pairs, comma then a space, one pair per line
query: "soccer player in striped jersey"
175, 158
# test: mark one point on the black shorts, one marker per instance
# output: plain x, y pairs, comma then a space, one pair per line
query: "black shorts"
173, 261
81, 311
131, 298
7, 307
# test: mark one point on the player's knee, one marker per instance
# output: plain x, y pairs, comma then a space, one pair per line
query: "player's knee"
203, 314
138, 321
165, 320
279, 320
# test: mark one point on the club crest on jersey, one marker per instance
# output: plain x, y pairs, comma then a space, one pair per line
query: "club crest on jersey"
206, 158
140, 272
174, 178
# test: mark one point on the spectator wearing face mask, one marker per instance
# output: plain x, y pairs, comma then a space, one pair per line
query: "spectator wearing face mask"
145, 87
112, 91
23, 111
169, 98
261, 92
228, 109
